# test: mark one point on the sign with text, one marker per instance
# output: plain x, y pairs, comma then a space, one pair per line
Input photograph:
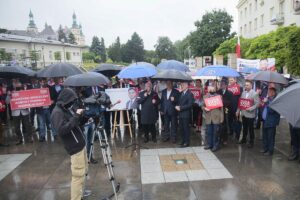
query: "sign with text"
235, 89
213, 102
245, 103
196, 92
30, 98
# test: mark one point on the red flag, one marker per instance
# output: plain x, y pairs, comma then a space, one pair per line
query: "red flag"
238, 48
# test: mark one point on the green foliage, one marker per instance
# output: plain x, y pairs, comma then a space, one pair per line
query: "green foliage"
5, 56
213, 29
165, 49
102, 51
88, 57
57, 55
34, 55
96, 48
293, 53
133, 50
61, 34
114, 51
182, 48
68, 55
151, 57
71, 38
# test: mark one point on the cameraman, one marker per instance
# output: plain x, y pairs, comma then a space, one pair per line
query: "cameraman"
66, 122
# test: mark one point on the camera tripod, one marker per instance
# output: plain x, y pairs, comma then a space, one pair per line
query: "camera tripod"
107, 156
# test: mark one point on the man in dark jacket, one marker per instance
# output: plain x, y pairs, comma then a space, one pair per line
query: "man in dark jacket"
169, 99
227, 97
184, 108
149, 112
66, 122
270, 120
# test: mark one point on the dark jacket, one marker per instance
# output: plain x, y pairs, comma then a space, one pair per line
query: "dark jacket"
149, 111
186, 103
273, 117
66, 123
227, 99
168, 106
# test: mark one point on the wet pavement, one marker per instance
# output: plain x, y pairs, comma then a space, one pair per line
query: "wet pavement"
46, 173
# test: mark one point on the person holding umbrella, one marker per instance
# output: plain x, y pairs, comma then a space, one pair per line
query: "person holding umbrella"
149, 101
248, 115
270, 119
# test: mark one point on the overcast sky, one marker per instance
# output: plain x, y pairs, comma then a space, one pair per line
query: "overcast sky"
112, 18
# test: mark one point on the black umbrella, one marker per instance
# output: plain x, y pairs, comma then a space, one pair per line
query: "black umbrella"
268, 76
106, 69
59, 70
15, 71
287, 104
172, 75
86, 79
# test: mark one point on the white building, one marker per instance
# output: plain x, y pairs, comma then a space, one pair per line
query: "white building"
22, 49
257, 17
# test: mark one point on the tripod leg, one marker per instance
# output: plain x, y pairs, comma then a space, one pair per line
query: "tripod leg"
92, 146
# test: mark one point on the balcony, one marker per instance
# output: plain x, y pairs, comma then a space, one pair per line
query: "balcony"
297, 7
277, 19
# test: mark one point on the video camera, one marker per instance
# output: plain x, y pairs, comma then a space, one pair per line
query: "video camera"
94, 105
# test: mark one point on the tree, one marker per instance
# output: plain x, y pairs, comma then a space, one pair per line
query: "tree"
102, 51
212, 30
133, 50
165, 49
114, 51
88, 56
96, 48
34, 57
61, 34
182, 48
5, 56
71, 38
293, 53
151, 57
68, 55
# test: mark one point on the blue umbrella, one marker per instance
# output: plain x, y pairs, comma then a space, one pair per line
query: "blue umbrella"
138, 70
249, 70
173, 64
217, 70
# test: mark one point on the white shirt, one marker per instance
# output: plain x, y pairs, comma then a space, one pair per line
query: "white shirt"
168, 93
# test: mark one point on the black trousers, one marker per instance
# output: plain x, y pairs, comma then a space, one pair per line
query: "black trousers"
248, 124
25, 120
149, 128
170, 126
185, 130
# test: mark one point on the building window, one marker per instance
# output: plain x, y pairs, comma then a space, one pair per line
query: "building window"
245, 29
255, 5
250, 9
250, 27
255, 23
241, 30
272, 13
246, 12
262, 20
50, 55
241, 14
281, 7
74, 53
77, 53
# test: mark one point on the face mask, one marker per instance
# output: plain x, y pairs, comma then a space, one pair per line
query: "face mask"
211, 92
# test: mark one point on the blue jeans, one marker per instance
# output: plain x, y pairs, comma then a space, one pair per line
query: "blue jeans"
269, 139
212, 135
43, 120
88, 131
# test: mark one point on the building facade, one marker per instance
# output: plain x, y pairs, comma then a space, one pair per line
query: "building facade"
39, 52
257, 17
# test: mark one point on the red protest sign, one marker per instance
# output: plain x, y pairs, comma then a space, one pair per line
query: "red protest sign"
213, 102
235, 89
30, 98
245, 103
196, 92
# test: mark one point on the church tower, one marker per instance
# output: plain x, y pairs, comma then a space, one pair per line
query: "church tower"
31, 26
76, 29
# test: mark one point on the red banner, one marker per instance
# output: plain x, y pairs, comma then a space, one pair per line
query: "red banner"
235, 89
213, 102
30, 98
245, 103
196, 92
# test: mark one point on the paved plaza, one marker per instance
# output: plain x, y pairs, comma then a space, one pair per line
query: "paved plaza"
161, 172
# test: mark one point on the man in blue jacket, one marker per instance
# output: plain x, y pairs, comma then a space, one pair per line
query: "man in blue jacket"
270, 120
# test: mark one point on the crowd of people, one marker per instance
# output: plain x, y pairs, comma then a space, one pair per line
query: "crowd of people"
174, 102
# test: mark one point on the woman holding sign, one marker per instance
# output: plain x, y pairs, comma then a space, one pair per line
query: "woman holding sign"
214, 116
